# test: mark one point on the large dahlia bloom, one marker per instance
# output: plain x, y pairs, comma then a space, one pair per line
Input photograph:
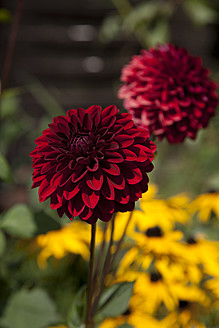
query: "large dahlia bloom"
92, 163
168, 91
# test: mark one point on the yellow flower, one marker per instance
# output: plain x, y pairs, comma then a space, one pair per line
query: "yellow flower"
205, 204
179, 271
155, 241
181, 320
150, 291
73, 238
154, 211
203, 252
134, 317
163, 212
213, 286
192, 301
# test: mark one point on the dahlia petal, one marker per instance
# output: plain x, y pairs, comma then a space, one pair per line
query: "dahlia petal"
76, 206
123, 196
47, 167
86, 215
40, 141
95, 114
59, 119
105, 209
45, 190
118, 181
108, 190
124, 140
60, 211
66, 176
90, 197
70, 194
109, 111
81, 114
87, 122
34, 153
79, 172
35, 184
54, 202
129, 155
75, 121
52, 155
111, 168
112, 146
94, 165
95, 181
137, 176
114, 157
56, 180
124, 207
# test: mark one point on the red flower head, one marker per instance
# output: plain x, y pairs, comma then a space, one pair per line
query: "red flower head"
92, 163
169, 92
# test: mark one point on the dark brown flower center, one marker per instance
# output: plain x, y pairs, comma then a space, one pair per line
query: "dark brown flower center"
191, 241
183, 304
154, 232
82, 143
127, 312
155, 276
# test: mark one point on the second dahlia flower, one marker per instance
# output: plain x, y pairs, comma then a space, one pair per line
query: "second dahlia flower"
92, 163
168, 91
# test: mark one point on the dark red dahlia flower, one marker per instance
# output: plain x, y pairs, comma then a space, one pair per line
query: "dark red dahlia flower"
169, 92
92, 163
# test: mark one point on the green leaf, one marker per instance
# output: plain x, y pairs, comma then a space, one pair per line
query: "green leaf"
18, 221
118, 301
159, 33
110, 29
125, 325
142, 13
5, 173
200, 12
2, 243
29, 308
76, 314
10, 101
45, 223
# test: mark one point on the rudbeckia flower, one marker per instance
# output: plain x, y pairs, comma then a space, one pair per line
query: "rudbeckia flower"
168, 91
192, 301
155, 241
202, 252
72, 238
205, 205
162, 212
92, 163
134, 317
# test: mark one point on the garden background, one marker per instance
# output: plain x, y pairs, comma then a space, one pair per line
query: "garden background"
70, 54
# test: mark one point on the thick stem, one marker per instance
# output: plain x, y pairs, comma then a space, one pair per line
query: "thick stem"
11, 45
106, 268
121, 239
97, 274
89, 320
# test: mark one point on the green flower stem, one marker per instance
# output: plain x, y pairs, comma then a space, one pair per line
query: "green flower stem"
89, 319
99, 262
121, 239
106, 268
